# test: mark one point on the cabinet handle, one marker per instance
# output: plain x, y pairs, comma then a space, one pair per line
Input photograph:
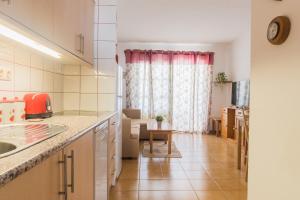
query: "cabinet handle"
79, 47
65, 178
72, 171
82, 46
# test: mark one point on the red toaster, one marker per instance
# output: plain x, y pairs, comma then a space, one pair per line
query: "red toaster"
37, 105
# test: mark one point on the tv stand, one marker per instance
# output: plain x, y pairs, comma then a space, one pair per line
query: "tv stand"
228, 122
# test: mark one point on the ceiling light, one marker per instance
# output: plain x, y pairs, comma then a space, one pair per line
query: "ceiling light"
11, 34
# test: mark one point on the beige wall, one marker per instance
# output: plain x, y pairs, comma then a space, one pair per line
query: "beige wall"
274, 127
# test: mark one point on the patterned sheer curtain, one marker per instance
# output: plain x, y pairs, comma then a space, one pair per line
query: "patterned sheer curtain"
176, 85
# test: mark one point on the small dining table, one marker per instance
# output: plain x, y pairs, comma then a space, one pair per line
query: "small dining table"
166, 128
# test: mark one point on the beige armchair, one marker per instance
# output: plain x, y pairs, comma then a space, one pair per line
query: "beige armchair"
130, 139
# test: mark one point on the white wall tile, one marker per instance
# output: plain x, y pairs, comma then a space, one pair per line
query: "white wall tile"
71, 69
22, 78
6, 52
48, 65
22, 56
58, 85
57, 68
7, 94
58, 102
71, 101
20, 95
106, 49
36, 79
107, 32
106, 102
107, 67
36, 61
107, 2
107, 14
71, 83
88, 84
86, 70
7, 85
107, 85
48, 82
88, 102
96, 14
95, 51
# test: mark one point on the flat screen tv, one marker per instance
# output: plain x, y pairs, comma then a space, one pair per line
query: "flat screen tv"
240, 95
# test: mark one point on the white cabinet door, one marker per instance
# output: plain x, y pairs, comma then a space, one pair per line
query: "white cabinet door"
67, 26
37, 15
43, 17
19, 10
88, 29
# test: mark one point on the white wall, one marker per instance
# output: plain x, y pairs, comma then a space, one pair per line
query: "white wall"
240, 48
274, 127
240, 57
221, 95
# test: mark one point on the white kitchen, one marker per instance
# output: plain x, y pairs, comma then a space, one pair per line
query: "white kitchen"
60, 99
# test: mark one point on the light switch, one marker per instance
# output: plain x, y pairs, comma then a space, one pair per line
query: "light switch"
5, 74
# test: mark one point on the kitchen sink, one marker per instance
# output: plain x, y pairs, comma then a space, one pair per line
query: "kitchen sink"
6, 147
17, 137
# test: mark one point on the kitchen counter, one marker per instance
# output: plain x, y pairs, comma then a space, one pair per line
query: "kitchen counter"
16, 164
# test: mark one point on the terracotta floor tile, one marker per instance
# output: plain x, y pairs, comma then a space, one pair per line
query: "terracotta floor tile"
128, 195
207, 184
211, 195
159, 185
207, 171
126, 185
231, 184
174, 174
129, 174
151, 174
167, 195
236, 195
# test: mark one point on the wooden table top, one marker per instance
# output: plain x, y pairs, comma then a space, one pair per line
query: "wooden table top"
165, 126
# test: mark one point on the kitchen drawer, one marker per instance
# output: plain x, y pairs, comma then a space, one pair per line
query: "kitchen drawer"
224, 110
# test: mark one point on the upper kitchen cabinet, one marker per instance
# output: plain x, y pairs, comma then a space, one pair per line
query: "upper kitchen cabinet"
88, 27
37, 15
66, 23
73, 27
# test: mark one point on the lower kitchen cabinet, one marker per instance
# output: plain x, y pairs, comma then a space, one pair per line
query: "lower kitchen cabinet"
40, 183
80, 168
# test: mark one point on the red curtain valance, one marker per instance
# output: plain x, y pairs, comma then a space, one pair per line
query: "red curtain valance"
137, 56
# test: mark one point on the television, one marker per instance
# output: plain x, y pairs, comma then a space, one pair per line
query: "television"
240, 95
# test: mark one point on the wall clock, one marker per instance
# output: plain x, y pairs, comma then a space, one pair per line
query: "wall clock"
279, 30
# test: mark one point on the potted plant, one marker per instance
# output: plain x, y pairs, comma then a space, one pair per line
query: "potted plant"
159, 120
221, 78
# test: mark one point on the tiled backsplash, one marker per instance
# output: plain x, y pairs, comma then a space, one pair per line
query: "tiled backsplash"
31, 72
70, 87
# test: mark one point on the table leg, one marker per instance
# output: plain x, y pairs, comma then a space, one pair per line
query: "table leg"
151, 142
239, 148
169, 143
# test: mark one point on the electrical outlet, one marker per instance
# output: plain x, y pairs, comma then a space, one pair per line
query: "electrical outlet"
5, 74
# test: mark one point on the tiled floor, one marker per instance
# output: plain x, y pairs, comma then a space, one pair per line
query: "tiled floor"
207, 171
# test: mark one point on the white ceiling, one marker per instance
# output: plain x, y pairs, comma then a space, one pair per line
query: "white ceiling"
182, 21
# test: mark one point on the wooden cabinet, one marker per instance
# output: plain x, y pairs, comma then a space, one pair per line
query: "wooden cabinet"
80, 168
111, 147
88, 30
228, 122
67, 23
37, 15
74, 27
40, 183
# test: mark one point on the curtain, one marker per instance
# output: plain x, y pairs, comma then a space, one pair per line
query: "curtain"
176, 85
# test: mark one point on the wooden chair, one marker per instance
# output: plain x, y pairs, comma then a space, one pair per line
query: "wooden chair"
246, 139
